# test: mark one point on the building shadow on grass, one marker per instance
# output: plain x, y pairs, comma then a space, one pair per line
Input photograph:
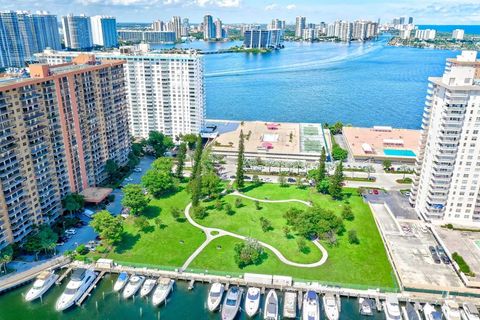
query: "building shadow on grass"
250, 187
127, 243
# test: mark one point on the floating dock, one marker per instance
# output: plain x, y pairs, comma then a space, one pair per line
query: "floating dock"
92, 286
63, 276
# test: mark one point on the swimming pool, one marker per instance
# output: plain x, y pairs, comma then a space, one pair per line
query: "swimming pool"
399, 153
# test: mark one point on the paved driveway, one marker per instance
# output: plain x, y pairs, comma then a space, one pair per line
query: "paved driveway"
396, 201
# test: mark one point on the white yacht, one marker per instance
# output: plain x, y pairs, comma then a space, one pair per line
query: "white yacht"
215, 295
231, 304
147, 287
365, 306
392, 308
133, 286
470, 312
121, 281
43, 282
79, 282
410, 313
430, 312
311, 306
290, 305
164, 287
271, 306
252, 301
451, 310
331, 306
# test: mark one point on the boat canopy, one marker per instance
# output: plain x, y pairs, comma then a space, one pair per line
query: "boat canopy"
253, 296
311, 295
123, 276
78, 274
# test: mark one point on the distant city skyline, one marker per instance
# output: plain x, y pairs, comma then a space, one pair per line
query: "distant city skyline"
261, 11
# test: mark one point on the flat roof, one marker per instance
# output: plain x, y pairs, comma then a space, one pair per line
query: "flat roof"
96, 195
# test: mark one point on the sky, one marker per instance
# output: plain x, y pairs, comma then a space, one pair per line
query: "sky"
262, 11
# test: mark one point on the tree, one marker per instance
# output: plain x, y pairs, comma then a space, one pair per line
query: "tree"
199, 212
141, 223
299, 183
43, 238
109, 228
313, 222
336, 128
265, 224
323, 186
73, 202
256, 180
158, 181
228, 209
81, 250
387, 164
181, 156
238, 203
257, 205
159, 143
338, 153
302, 245
248, 252
240, 176
158, 222
321, 171
197, 157
176, 213
286, 231
195, 185
282, 179
6, 255
189, 139
336, 181
210, 184
352, 237
111, 167
347, 213
134, 198
163, 164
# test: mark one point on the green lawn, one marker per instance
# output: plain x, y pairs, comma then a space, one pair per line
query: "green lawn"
159, 246
246, 221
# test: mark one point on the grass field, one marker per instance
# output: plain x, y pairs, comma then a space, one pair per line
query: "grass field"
170, 245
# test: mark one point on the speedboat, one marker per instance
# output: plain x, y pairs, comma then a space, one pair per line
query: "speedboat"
43, 282
392, 308
79, 282
215, 296
365, 306
311, 306
451, 310
165, 286
132, 286
231, 304
290, 305
410, 313
252, 301
430, 312
121, 281
147, 287
331, 307
470, 312
271, 306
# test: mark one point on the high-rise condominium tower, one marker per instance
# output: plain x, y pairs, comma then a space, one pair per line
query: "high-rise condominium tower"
300, 24
208, 28
77, 32
447, 184
22, 34
218, 29
104, 31
58, 128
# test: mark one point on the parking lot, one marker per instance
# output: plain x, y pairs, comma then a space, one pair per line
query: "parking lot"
408, 243
396, 201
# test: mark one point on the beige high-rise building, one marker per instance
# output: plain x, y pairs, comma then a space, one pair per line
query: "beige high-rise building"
59, 126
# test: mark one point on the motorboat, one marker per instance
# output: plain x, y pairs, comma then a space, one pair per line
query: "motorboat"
331, 306
215, 295
44, 281
252, 301
133, 286
470, 312
121, 281
231, 304
271, 306
410, 313
79, 282
290, 305
164, 287
392, 308
147, 287
451, 310
430, 312
311, 306
365, 306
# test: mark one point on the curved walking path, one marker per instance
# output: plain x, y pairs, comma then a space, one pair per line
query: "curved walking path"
220, 233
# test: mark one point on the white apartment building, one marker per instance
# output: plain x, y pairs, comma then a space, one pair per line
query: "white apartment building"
427, 34
446, 187
458, 34
165, 92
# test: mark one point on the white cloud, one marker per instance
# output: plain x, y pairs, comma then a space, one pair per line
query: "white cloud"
291, 7
271, 7
200, 3
218, 3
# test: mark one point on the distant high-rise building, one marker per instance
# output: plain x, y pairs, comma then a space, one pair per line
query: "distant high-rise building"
427, 34
364, 30
446, 188
208, 28
22, 34
185, 27
59, 128
158, 25
277, 24
177, 27
104, 31
147, 36
263, 39
309, 34
458, 34
410, 20
218, 29
77, 32
300, 24
401, 20
341, 29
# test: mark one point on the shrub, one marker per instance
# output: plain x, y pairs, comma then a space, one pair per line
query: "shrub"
347, 213
175, 212
218, 204
352, 237
101, 249
82, 250
462, 264
257, 205
228, 209
266, 224
199, 212
238, 203
302, 245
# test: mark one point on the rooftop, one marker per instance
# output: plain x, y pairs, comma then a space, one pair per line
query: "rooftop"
96, 195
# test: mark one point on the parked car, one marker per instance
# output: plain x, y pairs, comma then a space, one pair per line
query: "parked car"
432, 250
137, 170
375, 191
70, 231
440, 250
445, 259
436, 258
292, 180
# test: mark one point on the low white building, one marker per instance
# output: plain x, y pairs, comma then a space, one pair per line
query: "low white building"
458, 34
427, 34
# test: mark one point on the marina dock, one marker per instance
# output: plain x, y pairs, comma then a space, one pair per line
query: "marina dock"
63, 276
92, 286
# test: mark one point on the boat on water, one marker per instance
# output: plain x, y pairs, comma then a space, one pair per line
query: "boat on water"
79, 282
392, 308
231, 304
290, 305
331, 307
164, 287
451, 310
311, 306
215, 295
44, 281
252, 301
147, 287
270, 311
410, 313
121, 281
133, 286
365, 306
470, 312
430, 312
